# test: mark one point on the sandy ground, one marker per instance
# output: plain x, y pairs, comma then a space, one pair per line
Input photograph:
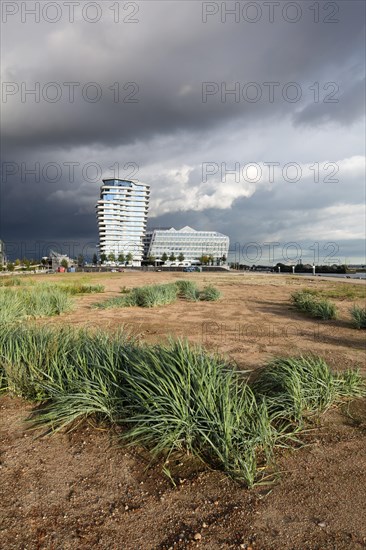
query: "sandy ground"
81, 490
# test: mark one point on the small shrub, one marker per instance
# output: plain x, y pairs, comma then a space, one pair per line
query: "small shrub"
359, 316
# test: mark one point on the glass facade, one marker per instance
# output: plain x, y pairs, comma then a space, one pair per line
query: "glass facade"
122, 215
187, 241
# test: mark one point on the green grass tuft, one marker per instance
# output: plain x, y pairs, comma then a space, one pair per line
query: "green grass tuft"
18, 304
188, 290
300, 386
313, 306
210, 294
160, 295
77, 288
359, 316
169, 398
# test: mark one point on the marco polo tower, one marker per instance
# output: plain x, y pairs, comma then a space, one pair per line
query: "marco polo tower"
122, 214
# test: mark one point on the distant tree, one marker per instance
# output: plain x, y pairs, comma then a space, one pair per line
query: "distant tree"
81, 260
17, 262
129, 258
95, 259
204, 259
151, 260
111, 257
164, 257
211, 259
172, 257
103, 258
181, 257
10, 266
121, 258
224, 258
64, 263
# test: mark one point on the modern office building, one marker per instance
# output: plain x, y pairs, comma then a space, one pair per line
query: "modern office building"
122, 215
2, 253
190, 243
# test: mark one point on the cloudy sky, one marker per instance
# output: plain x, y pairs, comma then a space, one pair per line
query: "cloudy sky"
244, 117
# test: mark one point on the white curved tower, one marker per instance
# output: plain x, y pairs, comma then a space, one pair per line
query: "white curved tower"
122, 214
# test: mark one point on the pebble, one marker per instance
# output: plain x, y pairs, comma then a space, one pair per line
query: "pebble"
321, 524
197, 536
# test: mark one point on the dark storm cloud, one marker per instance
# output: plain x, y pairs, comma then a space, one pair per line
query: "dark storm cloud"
168, 55
351, 107
170, 131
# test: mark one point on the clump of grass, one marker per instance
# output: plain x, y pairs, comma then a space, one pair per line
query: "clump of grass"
317, 308
18, 304
10, 281
77, 288
173, 397
151, 296
358, 316
301, 386
210, 294
145, 296
188, 290
42, 362
182, 399
159, 295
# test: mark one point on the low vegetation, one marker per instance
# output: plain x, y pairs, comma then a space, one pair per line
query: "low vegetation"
17, 304
301, 386
210, 294
10, 281
80, 288
312, 305
359, 316
188, 290
160, 295
340, 291
168, 398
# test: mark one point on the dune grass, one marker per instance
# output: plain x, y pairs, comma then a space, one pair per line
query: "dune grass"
187, 290
17, 304
358, 315
210, 294
80, 288
301, 386
160, 295
313, 306
10, 281
168, 398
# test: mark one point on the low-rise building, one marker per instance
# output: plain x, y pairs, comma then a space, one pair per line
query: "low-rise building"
188, 243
